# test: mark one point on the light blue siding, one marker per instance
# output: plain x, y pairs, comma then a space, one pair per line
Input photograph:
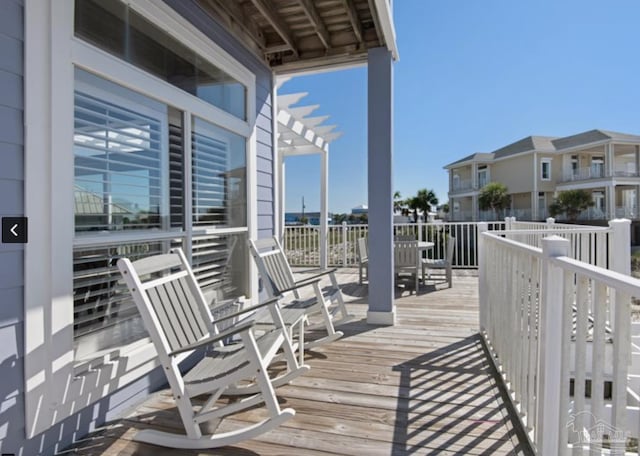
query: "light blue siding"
11, 204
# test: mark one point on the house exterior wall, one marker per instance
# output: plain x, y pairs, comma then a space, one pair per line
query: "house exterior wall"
12, 415
556, 170
521, 201
514, 172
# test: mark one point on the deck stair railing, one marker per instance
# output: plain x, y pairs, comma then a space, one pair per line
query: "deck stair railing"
559, 333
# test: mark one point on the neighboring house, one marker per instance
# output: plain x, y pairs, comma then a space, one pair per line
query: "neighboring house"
130, 127
535, 168
360, 210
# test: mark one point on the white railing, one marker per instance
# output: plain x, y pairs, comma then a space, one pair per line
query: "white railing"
302, 243
557, 330
590, 244
462, 185
593, 172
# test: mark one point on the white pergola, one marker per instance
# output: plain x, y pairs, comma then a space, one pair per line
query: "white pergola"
300, 134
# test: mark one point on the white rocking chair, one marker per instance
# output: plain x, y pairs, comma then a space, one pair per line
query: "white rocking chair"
278, 280
179, 322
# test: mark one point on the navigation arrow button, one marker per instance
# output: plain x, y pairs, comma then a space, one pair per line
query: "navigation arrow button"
14, 230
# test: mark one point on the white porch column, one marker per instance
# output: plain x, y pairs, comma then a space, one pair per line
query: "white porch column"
380, 182
324, 204
475, 209
608, 148
611, 201
474, 175
281, 195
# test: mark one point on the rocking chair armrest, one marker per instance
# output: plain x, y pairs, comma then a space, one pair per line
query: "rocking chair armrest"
314, 278
241, 327
249, 309
301, 283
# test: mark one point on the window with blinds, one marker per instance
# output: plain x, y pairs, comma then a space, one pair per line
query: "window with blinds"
104, 314
119, 169
130, 174
219, 176
218, 262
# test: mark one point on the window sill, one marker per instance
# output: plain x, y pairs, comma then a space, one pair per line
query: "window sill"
111, 356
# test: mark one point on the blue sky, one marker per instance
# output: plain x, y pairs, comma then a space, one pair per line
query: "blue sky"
474, 76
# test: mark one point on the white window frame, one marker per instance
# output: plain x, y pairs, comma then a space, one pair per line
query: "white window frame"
483, 172
544, 161
54, 387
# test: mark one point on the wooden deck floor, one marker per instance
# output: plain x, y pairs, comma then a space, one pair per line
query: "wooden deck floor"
424, 386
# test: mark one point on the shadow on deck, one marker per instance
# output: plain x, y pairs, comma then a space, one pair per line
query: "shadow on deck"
424, 386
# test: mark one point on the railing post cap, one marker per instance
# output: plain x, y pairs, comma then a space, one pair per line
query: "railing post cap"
483, 226
619, 221
555, 246
551, 220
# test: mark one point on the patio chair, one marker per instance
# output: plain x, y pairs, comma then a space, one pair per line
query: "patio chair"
444, 264
179, 323
362, 251
407, 260
278, 279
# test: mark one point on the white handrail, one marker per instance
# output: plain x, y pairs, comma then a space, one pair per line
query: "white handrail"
546, 319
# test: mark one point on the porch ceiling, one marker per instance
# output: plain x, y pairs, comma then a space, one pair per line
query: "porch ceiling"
306, 35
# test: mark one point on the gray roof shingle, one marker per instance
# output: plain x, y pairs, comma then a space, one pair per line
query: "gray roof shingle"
528, 144
592, 136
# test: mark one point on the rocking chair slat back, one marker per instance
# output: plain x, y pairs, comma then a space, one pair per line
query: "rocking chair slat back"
277, 269
175, 306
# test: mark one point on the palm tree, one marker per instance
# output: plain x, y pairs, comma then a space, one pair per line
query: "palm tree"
494, 196
423, 201
397, 202
571, 202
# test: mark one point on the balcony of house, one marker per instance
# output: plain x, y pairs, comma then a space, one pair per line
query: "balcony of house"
422, 386
582, 174
539, 316
462, 186
611, 162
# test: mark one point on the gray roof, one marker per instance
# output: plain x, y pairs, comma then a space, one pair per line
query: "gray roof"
528, 144
549, 144
478, 156
593, 136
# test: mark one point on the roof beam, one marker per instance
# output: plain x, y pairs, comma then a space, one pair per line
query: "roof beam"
271, 15
354, 19
318, 24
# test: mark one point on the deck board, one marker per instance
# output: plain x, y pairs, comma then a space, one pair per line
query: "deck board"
421, 387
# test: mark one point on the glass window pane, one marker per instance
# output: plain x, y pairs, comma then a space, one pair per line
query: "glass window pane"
120, 151
219, 176
110, 25
220, 265
105, 316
